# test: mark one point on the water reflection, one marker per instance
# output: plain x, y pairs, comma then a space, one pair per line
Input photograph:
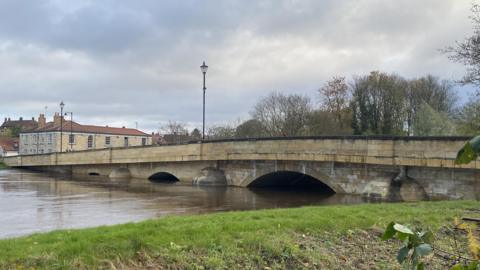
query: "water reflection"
33, 202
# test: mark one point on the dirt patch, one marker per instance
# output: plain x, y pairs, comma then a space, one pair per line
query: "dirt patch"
356, 249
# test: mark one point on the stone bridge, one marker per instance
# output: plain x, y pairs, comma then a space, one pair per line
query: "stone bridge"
374, 166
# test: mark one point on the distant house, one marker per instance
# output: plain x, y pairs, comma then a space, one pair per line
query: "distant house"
8, 147
61, 135
157, 139
14, 127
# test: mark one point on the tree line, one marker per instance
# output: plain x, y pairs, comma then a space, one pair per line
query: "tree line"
375, 104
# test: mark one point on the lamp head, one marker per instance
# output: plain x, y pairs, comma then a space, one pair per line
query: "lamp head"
204, 67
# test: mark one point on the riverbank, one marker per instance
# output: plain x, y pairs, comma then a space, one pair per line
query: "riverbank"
326, 237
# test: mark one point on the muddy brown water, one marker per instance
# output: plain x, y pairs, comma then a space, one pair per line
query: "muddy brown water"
33, 202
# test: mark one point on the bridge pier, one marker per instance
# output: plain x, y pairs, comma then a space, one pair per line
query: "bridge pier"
211, 177
120, 173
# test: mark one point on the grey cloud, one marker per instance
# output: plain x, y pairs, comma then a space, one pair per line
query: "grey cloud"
124, 61
99, 29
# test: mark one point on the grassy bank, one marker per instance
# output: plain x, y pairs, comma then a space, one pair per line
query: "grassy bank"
330, 237
2, 165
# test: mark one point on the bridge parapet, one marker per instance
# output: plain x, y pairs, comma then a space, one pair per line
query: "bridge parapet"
401, 151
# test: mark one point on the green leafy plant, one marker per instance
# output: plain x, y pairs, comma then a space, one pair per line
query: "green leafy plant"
416, 245
419, 244
469, 152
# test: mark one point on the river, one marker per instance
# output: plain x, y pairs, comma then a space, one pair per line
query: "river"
33, 202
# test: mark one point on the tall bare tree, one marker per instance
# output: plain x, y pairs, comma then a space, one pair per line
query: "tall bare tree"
467, 52
174, 132
335, 99
173, 127
283, 115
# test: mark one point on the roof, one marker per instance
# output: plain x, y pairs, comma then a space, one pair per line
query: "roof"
25, 125
78, 128
9, 144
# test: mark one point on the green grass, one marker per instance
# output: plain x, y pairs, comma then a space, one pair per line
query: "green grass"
2, 165
281, 238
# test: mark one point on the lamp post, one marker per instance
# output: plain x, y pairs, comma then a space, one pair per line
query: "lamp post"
71, 130
61, 125
204, 69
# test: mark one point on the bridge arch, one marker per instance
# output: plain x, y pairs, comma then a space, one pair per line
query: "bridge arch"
293, 177
290, 179
163, 177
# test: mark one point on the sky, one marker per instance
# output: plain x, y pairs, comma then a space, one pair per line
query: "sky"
128, 63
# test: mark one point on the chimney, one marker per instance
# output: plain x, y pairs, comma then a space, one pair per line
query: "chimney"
21, 118
33, 118
42, 122
8, 119
56, 119
5, 120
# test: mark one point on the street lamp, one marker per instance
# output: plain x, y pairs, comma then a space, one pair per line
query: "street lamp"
71, 130
204, 69
61, 125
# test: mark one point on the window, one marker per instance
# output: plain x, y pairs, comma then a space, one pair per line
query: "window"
71, 138
90, 141
144, 141
107, 140
50, 138
125, 141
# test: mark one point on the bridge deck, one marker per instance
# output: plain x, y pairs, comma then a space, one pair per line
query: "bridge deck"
390, 150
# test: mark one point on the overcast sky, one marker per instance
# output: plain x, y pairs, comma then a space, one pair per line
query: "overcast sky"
121, 62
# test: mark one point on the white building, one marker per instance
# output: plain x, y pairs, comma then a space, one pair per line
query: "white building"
61, 135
